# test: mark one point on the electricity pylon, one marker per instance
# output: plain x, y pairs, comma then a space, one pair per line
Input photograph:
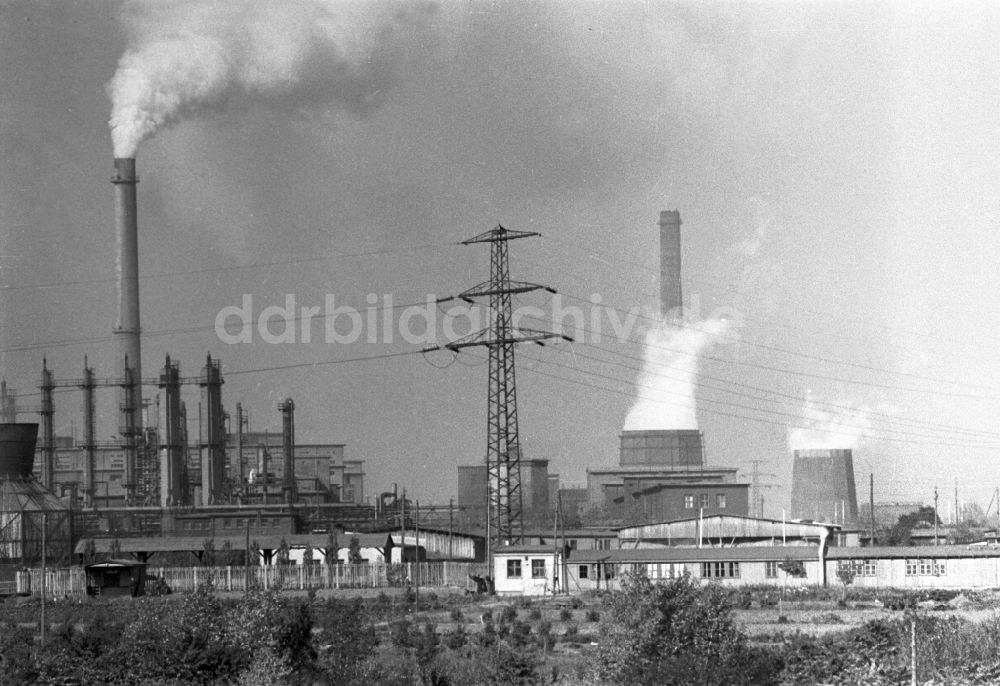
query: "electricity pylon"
503, 453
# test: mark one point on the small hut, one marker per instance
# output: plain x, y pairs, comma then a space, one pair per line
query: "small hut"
116, 578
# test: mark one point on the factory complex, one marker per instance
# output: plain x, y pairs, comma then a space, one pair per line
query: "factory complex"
161, 488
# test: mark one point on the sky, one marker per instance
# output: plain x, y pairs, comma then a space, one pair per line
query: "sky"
835, 165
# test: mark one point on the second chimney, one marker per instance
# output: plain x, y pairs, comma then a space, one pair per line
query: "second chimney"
671, 300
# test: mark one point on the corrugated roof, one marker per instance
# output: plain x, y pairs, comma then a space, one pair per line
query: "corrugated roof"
170, 544
522, 549
911, 552
677, 554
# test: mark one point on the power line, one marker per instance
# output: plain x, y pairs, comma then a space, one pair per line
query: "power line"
225, 268
728, 383
776, 413
811, 375
798, 354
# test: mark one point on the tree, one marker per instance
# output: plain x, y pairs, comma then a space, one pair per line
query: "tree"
283, 552
208, 552
899, 534
676, 633
354, 551
846, 574
332, 547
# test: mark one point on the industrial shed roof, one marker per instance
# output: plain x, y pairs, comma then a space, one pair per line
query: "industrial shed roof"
910, 552
731, 527
654, 555
162, 544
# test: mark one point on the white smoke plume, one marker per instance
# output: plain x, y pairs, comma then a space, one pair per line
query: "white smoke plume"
187, 57
838, 429
666, 387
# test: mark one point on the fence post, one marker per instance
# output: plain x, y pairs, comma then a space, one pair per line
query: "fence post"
229, 578
300, 575
195, 577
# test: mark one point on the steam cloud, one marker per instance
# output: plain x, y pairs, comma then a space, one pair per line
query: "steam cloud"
666, 397
823, 430
189, 57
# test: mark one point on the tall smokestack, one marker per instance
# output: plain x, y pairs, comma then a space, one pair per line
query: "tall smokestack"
288, 447
127, 239
671, 300
128, 360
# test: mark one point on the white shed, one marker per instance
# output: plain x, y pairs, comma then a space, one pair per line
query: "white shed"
526, 570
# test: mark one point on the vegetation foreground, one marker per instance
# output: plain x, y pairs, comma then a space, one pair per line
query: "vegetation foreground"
673, 633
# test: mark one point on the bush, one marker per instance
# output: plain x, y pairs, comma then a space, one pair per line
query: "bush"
456, 615
535, 614
456, 638
508, 614
571, 634
565, 614
576, 602
593, 616
678, 632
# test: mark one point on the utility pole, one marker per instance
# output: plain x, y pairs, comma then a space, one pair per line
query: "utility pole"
935, 515
503, 454
44, 570
958, 515
416, 550
246, 559
871, 505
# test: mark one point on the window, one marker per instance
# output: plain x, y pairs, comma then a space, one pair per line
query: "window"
859, 567
720, 570
925, 568
771, 569
688, 502
538, 569
513, 569
571, 543
602, 544
720, 501
584, 572
703, 500
666, 570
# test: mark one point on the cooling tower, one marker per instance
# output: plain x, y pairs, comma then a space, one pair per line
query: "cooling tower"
823, 486
671, 300
675, 449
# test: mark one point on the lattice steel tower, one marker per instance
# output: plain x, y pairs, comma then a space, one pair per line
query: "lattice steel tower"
503, 453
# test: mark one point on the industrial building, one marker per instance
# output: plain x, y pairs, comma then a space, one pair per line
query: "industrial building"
662, 475
537, 486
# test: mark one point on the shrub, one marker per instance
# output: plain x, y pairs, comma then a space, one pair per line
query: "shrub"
677, 632
593, 616
456, 615
456, 638
571, 634
535, 614
508, 614
576, 602
565, 614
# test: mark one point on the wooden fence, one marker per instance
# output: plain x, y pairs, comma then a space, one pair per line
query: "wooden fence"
71, 582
